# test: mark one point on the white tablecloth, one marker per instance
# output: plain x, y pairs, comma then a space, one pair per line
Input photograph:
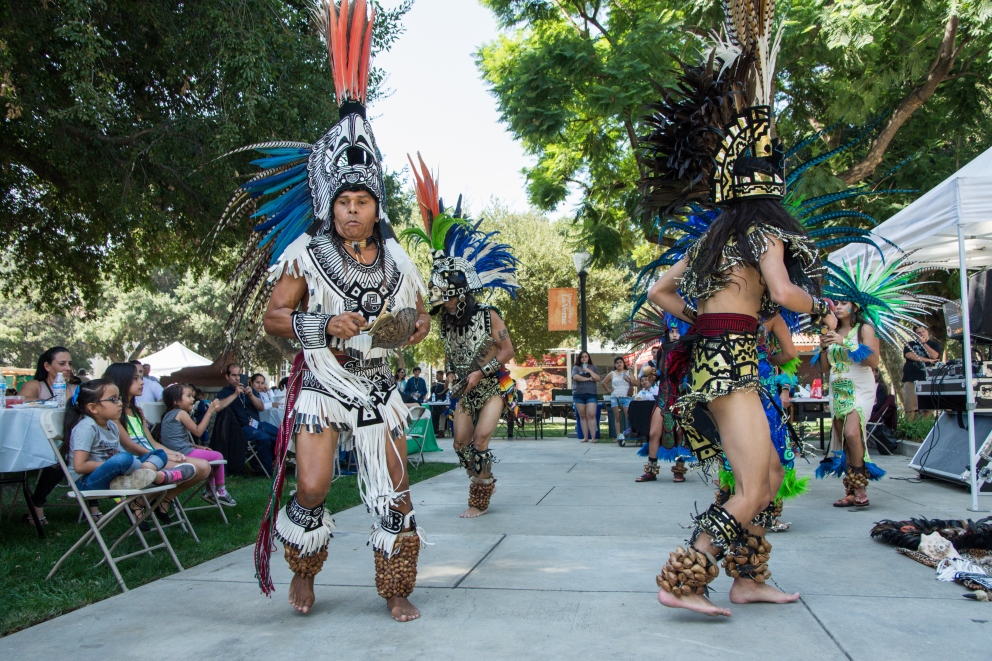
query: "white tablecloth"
271, 416
153, 412
23, 445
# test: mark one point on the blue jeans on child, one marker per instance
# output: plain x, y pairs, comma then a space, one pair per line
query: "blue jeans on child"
264, 438
121, 463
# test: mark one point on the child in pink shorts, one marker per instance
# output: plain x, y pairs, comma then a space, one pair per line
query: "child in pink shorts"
178, 429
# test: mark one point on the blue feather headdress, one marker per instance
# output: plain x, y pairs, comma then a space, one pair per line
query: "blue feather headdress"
289, 200
466, 259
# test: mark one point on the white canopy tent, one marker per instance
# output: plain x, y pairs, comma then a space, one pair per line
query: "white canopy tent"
949, 226
174, 358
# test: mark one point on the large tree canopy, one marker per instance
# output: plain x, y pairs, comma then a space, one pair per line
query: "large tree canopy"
571, 76
113, 112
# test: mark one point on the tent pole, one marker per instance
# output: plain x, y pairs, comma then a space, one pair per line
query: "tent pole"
969, 388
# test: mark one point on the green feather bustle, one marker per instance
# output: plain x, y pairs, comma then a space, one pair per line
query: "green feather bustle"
792, 367
792, 486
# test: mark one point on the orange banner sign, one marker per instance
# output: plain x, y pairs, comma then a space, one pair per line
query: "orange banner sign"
563, 309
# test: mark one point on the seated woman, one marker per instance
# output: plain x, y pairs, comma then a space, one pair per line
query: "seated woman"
53, 362
885, 408
136, 439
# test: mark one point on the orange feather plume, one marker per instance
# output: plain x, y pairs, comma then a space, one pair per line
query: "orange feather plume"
427, 192
347, 33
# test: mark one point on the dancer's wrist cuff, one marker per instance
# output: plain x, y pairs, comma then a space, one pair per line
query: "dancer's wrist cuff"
310, 329
689, 313
491, 368
821, 308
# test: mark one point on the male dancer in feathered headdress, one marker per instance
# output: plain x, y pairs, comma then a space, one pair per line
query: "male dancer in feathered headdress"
348, 292
477, 344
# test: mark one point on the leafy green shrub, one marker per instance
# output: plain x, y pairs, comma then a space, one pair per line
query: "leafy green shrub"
914, 430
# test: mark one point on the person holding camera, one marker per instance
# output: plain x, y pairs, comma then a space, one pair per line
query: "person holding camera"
920, 352
245, 407
585, 376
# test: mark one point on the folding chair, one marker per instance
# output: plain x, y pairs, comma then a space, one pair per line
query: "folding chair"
152, 497
205, 486
871, 436
253, 454
417, 414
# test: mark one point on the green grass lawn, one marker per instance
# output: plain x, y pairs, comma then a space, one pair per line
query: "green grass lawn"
26, 598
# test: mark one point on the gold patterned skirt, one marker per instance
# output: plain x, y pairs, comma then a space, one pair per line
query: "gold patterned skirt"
473, 401
724, 360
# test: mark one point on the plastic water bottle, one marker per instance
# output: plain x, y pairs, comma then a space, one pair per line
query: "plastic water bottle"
58, 389
3, 393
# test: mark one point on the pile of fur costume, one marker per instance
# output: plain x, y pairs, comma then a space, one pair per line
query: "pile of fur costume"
960, 550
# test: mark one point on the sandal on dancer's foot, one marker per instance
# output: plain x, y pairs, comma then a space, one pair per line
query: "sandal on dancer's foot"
779, 526
861, 503
647, 477
846, 501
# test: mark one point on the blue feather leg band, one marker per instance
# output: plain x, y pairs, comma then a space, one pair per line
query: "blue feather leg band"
837, 466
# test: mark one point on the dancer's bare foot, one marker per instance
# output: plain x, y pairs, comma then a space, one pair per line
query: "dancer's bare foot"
301, 593
401, 609
472, 512
746, 591
694, 602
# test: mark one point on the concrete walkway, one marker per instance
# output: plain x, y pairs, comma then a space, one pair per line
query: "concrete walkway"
562, 567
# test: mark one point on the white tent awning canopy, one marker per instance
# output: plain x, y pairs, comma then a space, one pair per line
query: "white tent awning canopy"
174, 358
930, 224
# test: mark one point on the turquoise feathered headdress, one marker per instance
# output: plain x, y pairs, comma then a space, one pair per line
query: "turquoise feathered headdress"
886, 293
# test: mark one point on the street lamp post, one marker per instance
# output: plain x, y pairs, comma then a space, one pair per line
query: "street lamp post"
581, 260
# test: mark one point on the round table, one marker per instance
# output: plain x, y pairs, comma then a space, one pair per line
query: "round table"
23, 444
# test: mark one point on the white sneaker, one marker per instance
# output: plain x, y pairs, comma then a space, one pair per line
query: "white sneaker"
620, 437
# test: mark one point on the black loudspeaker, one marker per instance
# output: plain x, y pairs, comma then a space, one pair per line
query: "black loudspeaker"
952, 319
980, 307
944, 453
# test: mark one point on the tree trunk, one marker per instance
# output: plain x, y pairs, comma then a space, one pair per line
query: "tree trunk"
941, 66
286, 348
890, 366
